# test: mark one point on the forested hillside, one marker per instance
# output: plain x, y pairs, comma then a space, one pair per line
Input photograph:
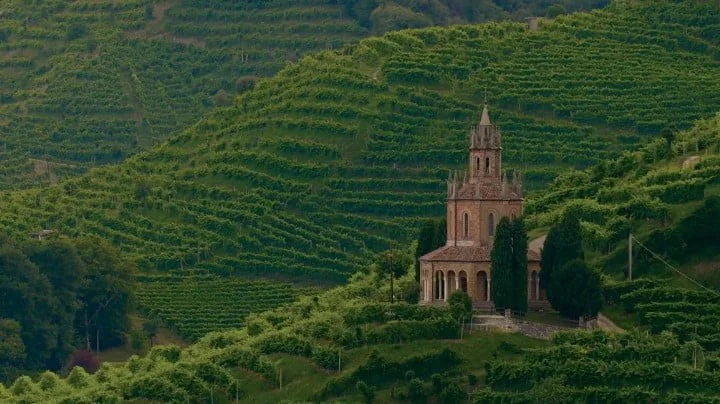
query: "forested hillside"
347, 150
84, 83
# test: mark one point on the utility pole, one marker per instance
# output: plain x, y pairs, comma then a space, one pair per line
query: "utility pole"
630, 256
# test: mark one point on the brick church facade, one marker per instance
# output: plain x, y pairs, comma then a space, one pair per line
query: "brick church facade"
475, 204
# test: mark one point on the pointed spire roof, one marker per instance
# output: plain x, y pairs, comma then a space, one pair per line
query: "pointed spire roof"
485, 118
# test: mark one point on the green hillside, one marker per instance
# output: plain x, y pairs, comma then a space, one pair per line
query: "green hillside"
88, 82
321, 348
667, 194
342, 152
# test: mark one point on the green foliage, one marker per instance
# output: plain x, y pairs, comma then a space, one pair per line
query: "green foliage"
107, 295
368, 392
12, 349
581, 291
562, 245
460, 305
501, 265
198, 303
519, 268
416, 391
635, 367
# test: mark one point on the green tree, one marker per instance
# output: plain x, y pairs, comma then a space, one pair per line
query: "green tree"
391, 17
107, 296
562, 245
519, 274
150, 328
393, 263
581, 290
12, 349
28, 298
416, 391
555, 10
368, 392
425, 244
669, 137
59, 261
433, 235
460, 305
501, 265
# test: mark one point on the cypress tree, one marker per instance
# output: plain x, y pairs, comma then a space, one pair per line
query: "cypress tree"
519, 272
582, 290
563, 244
433, 235
501, 265
425, 243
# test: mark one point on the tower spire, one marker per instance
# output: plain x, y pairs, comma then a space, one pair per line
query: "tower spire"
485, 118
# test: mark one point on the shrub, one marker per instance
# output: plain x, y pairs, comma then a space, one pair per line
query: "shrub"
78, 378
84, 359
460, 305
325, 356
416, 391
170, 353
368, 392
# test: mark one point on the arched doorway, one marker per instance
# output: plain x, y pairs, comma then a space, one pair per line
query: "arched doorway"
482, 287
463, 281
534, 285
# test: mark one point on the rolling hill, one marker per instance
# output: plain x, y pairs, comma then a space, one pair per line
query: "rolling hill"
340, 153
88, 82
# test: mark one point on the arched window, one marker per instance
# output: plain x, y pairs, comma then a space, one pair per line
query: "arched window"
491, 225
477, 164
487, 165
466, 224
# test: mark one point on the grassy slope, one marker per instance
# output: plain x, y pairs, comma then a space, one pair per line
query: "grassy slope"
344, 151
88, 82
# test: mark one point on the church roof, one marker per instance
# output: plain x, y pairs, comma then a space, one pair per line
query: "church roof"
468, 254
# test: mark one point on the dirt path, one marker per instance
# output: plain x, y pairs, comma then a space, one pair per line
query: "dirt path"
606, 324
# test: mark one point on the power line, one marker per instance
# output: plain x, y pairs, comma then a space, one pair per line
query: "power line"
675, 269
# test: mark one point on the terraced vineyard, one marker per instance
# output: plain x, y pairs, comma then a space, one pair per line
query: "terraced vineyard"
692, 315
661, 193
89, 82
194, 305
599, 367
337, 155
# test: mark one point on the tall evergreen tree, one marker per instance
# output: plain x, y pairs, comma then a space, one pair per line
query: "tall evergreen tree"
519, 274
582, 290
501, 265
562, 245
425, 243
433, 235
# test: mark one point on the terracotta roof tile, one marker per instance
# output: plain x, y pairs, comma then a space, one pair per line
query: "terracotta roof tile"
468, 254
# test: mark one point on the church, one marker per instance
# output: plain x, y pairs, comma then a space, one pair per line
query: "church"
475, 204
